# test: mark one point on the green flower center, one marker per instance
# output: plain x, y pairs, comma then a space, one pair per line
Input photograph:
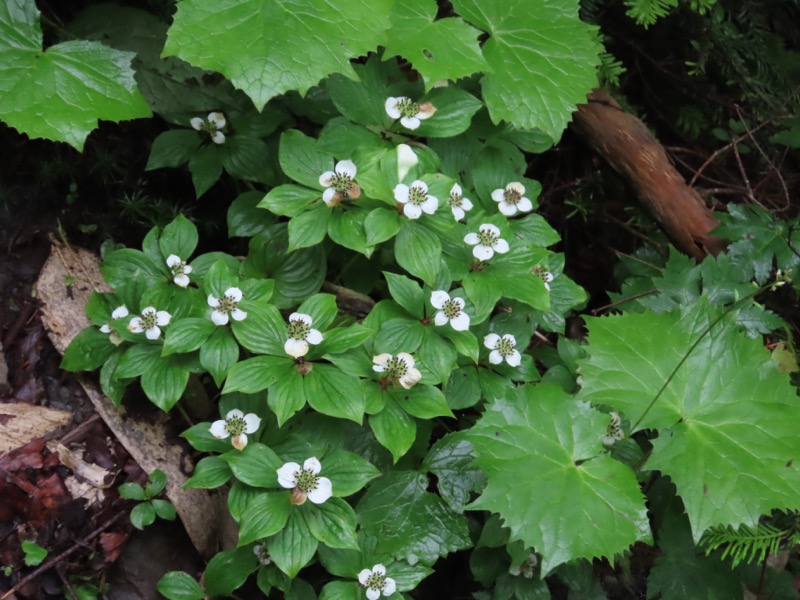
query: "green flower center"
178, 269
487, 237
417, 195
505, 347
408, 108
512, 196
455, 199
341, 182
149, 319
451, 308
298, 329
235, 425
306, 480
396, 367
227, 304
376, 581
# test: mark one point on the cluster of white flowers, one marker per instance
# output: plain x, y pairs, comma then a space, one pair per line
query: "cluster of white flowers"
376, 582
449, 310
415, 199
502, 348
227, 305
237, 425
340, 183
180, 270
212, 125
458, 203
487, 241
409, 112
398, 368
118, 313
543, 274
301, 334
511, 200
614, 431
305, 481
150, 321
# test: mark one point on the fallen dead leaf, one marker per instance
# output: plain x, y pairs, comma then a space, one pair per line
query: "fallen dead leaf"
21, 423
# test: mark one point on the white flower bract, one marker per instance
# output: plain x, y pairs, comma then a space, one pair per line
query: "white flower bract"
449, 310
301, 334
237, 425
376, 582
212, 125
511, 200
614, 431
305, 481
502, 348
406, 160
415, 199
150, 322
339, 183
458, 203
399, 368
227, 305
486, 241
118, 313
543, 274
180, 270
409, 112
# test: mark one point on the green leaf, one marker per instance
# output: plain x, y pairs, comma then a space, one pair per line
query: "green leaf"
294, 546
205, 165
394, 429
34, 553
143, 515
126, 265
482, 291
335, 393
422, 401
200, 438
287, 395
341, 339
172, 149
347, 229
341, 590
348, 472
418, 251
87, 351
263, 331
543, 61
61, 92
463, 388
187, 335
454, 111
451, 460
333, 523
245, 219
164, 509
309, 228
523, 287
228, 570
410, 522
211, 472
265, 515
210, 35
179, 237
439, 49
301, 160
257, 465
533, 463
438, 356
255, 374
177, 585
400, 335
245, 158
165, 382
156, 482
219, 354
381, 224
131, 491
406, 292
723, 403
321, 308
289, 200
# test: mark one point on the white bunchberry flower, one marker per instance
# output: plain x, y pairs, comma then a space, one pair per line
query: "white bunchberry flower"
410, 113
237, 425
543, 274
228, 304
376, 582
458, 204
449, 309
502, 348
614, 431
339, 183
180, 270
301, 334
212, 126
399, 368
118, 313
511, 199
487, 241
415, 199
262, 554
150, 321
406, 160
526, 569
305, 482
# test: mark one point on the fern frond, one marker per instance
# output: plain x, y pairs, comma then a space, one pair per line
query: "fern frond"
647, 12
744, 544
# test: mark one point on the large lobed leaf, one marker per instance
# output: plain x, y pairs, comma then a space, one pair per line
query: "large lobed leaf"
726, 418
60, 93
266, 47
549, 480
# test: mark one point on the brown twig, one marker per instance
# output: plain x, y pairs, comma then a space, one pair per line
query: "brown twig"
48, 564
719, 151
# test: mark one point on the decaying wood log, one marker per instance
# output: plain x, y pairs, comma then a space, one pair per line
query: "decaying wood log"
631, 150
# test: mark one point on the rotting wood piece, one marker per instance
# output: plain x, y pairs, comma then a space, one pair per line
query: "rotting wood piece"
631, 150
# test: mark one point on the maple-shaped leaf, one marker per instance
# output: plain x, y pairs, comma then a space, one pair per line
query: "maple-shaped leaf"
267, 47
439, 49
726, 417
542, 58
60, 93
550, 480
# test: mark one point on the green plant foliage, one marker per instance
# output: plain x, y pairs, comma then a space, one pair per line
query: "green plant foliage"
531, 462
60, 93
718, 399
